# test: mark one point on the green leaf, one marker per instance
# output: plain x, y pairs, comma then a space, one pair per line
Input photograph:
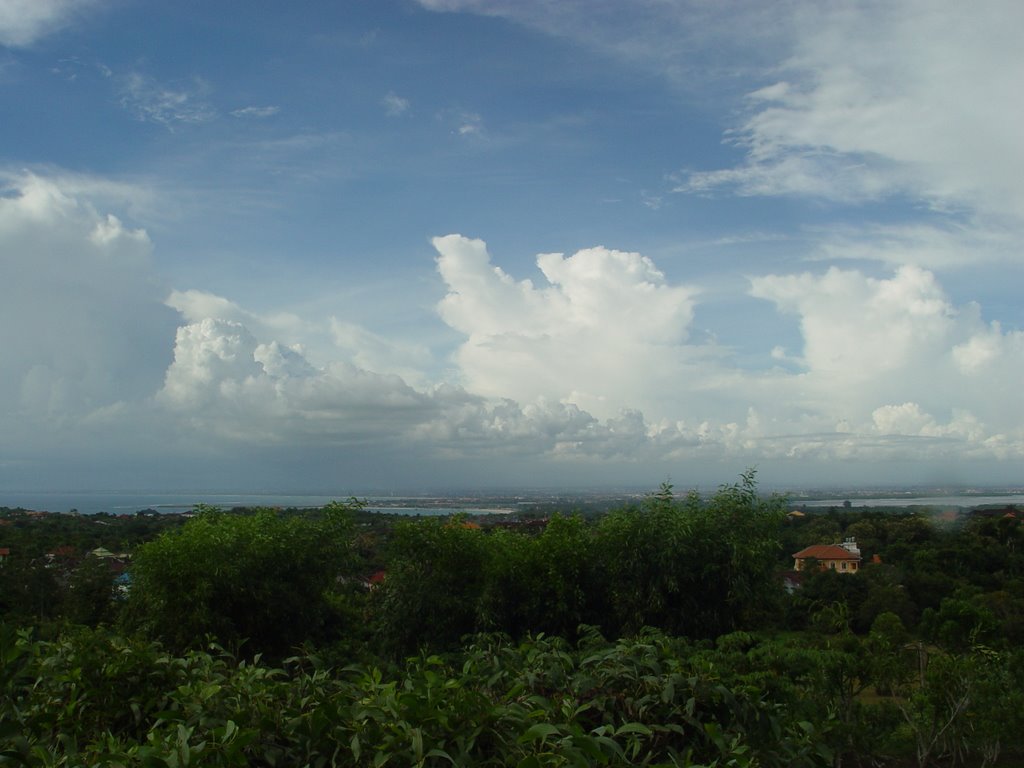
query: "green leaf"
538, 731
633, 728
417, 743
441, 753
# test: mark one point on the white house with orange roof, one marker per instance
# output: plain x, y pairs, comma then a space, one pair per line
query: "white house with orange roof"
841, 558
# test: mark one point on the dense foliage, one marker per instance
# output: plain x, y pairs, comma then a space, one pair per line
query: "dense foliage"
691, 566
295, 639
262, 578
94, 698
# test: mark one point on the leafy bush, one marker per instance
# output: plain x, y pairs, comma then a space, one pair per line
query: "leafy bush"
261, 579
690, 566
97, 699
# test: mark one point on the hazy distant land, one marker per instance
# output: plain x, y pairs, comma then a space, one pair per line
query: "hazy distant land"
477, 502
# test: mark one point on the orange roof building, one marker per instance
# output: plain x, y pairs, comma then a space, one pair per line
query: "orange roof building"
842, 558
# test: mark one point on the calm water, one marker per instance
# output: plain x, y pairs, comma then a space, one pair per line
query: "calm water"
90, 502
127, 502
922, 501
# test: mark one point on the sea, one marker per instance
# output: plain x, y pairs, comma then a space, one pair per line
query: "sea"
942, 502
129, 502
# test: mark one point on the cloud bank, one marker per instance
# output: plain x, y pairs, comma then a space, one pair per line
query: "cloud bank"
82, 323
593, 366
880, 358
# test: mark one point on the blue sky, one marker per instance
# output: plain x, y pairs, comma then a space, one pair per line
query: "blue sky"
481, 243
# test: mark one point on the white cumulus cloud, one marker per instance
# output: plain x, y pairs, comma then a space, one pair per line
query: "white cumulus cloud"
894, 355
589, 364
79, 305
605, 329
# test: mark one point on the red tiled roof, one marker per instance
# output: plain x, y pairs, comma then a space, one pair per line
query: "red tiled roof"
826, 552
5, 551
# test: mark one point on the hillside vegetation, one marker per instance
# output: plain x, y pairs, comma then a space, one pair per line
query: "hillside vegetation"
657, 634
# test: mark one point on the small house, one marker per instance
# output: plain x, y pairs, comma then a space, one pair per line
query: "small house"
841, 558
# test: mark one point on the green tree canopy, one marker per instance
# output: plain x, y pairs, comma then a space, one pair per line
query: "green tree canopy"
692, 566
263, 578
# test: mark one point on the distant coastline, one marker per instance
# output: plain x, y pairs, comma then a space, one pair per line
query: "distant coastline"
914, 501
130, 502
477, 503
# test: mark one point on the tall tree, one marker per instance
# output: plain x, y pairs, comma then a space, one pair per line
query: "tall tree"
693, 566
434, 583
262, 578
